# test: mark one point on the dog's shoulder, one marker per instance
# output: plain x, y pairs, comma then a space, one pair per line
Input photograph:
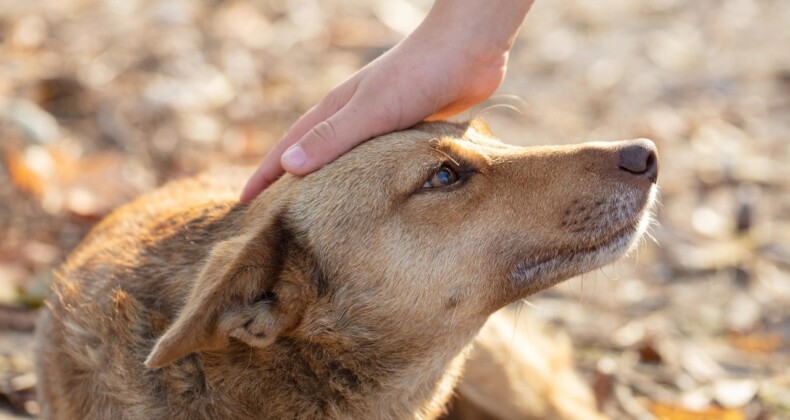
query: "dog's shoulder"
143, 250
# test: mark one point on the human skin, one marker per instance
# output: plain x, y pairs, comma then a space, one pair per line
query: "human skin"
454, 60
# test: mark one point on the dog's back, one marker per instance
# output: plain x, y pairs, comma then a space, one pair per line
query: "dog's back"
131, 257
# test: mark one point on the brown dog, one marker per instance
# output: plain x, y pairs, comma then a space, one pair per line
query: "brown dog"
348, 293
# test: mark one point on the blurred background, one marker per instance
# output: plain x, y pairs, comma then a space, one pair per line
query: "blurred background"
101, 100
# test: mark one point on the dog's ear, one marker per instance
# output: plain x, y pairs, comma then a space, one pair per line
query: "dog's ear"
240, 293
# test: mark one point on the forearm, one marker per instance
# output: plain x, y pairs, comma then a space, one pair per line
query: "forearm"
485, 28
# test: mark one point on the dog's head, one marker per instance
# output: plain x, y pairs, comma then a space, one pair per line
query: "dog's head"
414, 237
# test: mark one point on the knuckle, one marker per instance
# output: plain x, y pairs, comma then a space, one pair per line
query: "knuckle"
338, 97
325, 132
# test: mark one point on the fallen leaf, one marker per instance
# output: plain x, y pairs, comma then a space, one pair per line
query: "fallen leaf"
668, 411
87, 186
757, 342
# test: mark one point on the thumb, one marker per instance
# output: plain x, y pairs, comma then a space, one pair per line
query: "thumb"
330, 138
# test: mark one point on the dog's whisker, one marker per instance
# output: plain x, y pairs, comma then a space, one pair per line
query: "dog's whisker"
452, 159
519, 308
530, 304
488, 108
519, 106
452, 317
516, 98
581, 287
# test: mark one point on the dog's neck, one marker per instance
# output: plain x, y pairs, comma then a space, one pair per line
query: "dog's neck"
345, 371
326, 381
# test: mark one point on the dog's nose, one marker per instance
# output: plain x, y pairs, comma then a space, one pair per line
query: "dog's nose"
638, 157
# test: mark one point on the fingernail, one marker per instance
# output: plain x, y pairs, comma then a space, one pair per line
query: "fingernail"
295, 157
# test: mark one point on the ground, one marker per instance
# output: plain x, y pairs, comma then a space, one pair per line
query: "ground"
101, 100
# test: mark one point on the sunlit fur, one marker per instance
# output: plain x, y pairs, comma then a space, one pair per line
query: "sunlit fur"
348, 293
520, 369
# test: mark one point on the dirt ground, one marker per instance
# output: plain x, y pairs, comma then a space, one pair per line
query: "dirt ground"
101, 100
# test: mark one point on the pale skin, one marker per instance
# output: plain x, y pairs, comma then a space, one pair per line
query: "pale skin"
454, 60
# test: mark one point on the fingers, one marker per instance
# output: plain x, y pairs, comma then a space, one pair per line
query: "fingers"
330, 138
271, 169
265, 175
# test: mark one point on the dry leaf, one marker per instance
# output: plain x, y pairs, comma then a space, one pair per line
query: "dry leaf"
89, 186
757, 343
665, 411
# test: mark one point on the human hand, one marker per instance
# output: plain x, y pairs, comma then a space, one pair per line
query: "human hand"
440, 70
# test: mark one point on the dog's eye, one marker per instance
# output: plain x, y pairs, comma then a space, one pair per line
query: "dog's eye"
443, 177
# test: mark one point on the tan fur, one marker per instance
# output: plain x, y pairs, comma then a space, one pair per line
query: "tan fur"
348, 293
519, 369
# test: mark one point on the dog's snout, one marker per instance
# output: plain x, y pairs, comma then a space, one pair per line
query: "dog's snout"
639, 158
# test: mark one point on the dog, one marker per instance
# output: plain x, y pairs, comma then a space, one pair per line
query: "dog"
352, 292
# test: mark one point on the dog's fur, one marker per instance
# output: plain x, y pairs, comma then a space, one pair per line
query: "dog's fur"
352, 292
521, 369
